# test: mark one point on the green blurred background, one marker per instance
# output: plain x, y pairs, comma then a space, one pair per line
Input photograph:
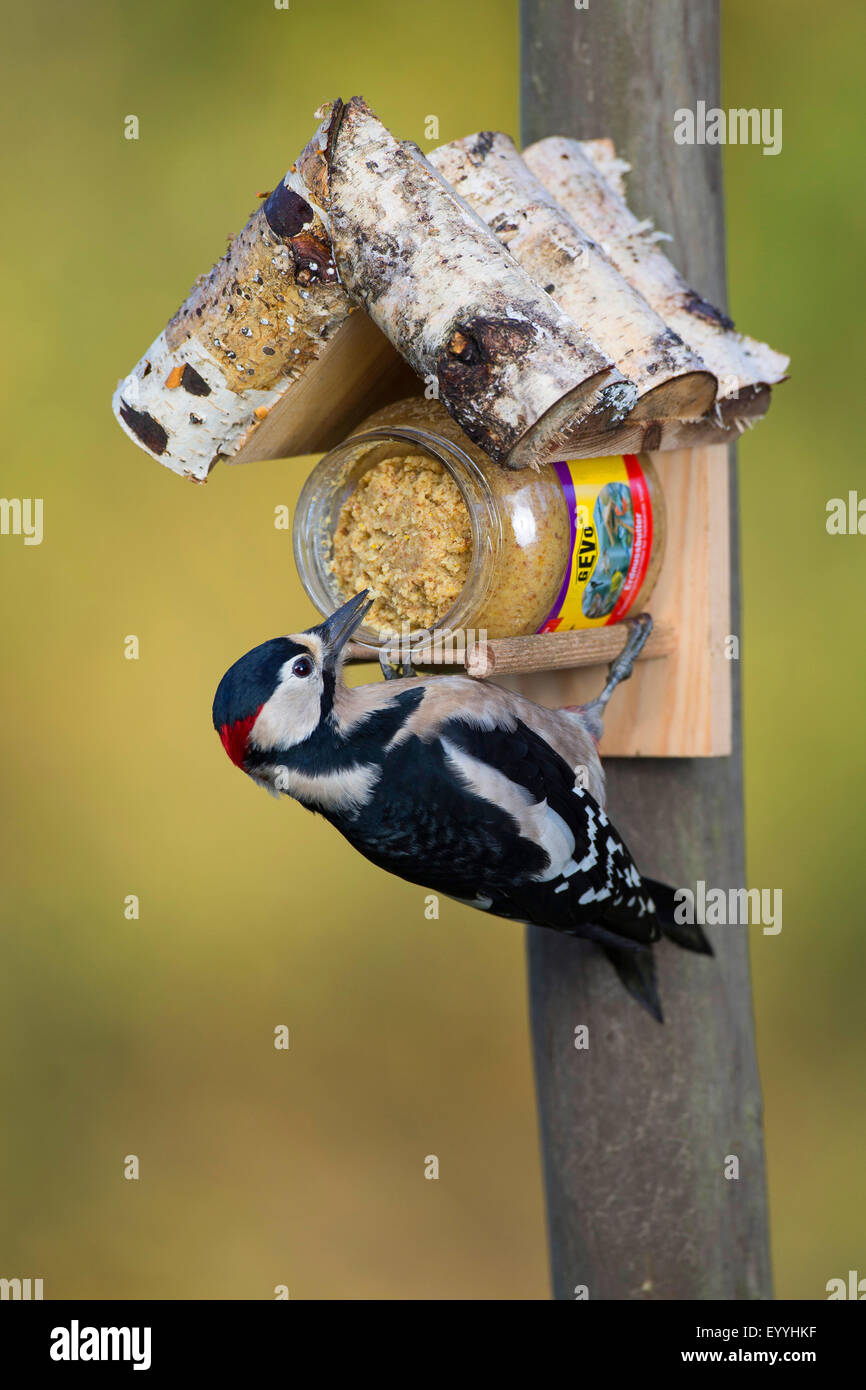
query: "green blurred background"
408, 1037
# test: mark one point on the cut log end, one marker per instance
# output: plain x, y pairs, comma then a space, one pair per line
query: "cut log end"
579, 425
684, 397
573, 174
747, 406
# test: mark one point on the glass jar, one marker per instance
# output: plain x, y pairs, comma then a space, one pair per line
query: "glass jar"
563, 546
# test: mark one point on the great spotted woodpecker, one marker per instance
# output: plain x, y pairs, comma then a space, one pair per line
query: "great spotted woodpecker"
457, 785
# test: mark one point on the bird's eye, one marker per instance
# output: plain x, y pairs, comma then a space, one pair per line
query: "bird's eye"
302, 666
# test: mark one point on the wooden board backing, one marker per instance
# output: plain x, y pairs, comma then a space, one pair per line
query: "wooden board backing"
679, 706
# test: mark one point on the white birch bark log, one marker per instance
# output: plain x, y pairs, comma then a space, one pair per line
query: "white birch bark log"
745, 368
487, 171
516, 373
603, 155
265, 358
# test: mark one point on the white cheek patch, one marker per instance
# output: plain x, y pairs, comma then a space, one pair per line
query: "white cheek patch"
345, 791
291, 714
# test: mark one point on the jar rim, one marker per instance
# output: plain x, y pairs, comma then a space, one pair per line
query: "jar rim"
320, 492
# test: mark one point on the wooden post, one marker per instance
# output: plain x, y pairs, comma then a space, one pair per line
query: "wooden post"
640, 1130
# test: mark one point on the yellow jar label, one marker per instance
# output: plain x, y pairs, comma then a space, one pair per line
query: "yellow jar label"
610, 514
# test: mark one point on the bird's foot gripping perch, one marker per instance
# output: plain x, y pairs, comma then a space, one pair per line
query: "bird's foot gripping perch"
620, 669
395, 663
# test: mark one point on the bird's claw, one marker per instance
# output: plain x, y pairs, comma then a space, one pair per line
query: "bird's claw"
623, 665
393, 668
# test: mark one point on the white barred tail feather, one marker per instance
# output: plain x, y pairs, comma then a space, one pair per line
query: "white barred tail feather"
636, 969
685, 934
635, 965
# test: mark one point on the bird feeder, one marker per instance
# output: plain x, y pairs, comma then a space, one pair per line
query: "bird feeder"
524, 295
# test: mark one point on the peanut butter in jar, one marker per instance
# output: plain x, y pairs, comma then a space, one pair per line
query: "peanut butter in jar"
444, 538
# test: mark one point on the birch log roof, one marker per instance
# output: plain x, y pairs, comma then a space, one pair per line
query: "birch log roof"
521, 291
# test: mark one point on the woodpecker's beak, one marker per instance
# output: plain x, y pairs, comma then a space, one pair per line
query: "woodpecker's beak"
336, 630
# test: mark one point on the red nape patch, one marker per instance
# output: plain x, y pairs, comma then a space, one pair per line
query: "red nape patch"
234, 737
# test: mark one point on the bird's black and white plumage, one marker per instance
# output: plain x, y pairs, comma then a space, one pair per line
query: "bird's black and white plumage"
457, 785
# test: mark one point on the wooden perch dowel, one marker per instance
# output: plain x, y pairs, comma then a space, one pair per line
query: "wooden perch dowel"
561, 651
487, 171
523, 381
549, 651
745, 368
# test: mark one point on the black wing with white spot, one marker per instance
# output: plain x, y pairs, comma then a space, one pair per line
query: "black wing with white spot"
590, 880
494, 817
